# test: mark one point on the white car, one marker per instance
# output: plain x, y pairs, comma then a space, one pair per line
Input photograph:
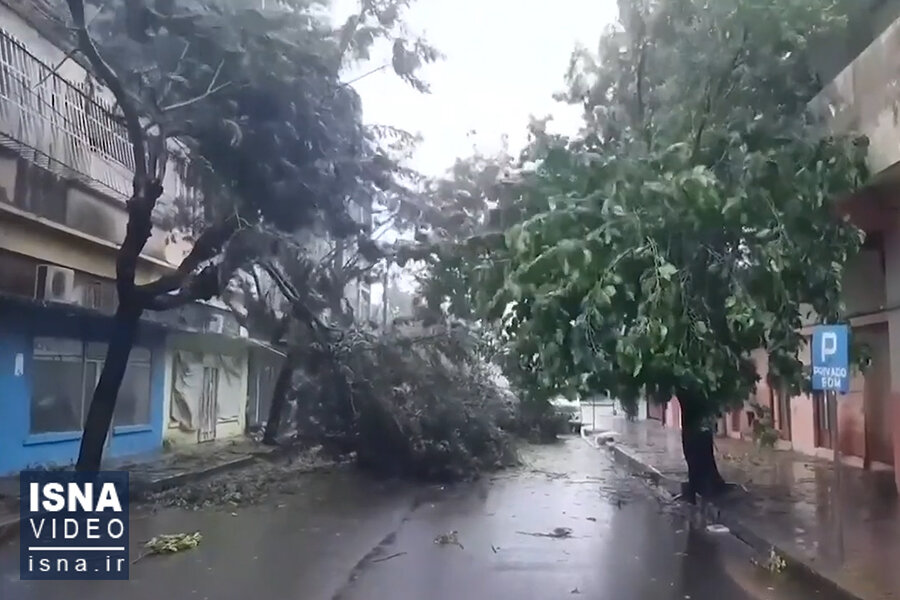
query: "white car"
571, 409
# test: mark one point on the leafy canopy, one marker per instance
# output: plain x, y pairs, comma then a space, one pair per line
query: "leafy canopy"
265, 127
693, 216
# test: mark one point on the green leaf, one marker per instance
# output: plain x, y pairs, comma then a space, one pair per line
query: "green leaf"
666, 271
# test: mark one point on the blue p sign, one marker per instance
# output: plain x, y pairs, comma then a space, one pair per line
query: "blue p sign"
830, 358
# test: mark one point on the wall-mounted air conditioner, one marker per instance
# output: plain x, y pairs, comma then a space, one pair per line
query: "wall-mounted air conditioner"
55, 284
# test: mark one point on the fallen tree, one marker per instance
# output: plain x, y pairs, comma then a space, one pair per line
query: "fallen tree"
416, 401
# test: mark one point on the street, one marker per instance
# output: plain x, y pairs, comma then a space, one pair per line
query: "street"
568, 523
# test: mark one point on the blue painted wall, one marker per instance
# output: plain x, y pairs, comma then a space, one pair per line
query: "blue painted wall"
18, 448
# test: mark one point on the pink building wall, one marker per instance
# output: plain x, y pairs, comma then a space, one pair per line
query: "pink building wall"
803, 424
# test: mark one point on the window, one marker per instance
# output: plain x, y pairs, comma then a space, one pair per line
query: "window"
133, 405
57, 386
64, 375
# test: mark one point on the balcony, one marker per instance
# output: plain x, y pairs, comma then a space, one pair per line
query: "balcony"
865, 98
63, 127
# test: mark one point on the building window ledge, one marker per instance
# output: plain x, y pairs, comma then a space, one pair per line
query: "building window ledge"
80, 235
57, 437
131, 429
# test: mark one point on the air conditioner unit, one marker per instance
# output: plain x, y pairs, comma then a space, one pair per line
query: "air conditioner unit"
217, 324
56, 284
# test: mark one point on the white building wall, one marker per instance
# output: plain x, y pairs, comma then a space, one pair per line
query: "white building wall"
186, 356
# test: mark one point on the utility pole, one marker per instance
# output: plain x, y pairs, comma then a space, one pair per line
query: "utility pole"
837, 491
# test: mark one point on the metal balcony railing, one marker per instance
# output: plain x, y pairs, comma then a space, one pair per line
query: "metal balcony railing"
61, 126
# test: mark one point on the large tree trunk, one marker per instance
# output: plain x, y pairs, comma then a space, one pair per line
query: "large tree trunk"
103, 402
279, 400
697, 445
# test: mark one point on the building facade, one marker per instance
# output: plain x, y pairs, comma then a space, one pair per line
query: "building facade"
65, 174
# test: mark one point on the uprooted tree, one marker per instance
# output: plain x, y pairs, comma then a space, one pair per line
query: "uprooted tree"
419, 401
689, 222
295, 297
247, 99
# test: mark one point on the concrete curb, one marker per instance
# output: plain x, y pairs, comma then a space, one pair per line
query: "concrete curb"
139, 488
796, 564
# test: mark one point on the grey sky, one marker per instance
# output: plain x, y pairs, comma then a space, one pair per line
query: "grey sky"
504, 60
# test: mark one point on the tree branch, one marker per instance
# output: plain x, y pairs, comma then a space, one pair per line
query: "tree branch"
211, 89
169, 301
284, 286
258, 284
711, 95
112, 81
69, 54
168, 87
208, 245
299, 310
201, 286
366, 74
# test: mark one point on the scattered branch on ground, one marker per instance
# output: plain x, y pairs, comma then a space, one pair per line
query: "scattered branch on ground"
558, 533
170, 543
244, 487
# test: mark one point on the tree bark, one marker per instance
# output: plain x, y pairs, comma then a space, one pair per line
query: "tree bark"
697, 444
279, 400
103, 402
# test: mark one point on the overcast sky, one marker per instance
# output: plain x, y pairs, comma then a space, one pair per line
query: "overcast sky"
504, 60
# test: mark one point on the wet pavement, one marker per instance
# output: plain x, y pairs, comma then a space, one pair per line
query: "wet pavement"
568, 524
790, 501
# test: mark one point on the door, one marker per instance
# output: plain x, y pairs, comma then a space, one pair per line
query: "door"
263, 372
876, 395
781, 411
208, 395
823, 420
656, 411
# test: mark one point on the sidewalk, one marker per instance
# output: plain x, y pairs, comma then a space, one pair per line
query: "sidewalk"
153, 473
787, 505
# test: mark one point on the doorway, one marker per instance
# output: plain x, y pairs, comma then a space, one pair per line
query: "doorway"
208, 405
823, 420
876, 393
781, 409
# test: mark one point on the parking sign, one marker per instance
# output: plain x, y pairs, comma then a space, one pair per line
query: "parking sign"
831, 358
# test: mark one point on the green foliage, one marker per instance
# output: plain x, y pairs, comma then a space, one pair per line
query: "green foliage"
416, 402
764, 432
254, 91
691, 220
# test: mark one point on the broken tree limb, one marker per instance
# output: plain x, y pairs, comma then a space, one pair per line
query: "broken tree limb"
207, 246
169, 301
211, 89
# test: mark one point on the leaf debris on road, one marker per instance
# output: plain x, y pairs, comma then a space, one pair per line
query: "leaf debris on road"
448, 539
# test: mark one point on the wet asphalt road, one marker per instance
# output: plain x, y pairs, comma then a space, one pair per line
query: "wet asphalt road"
344, 537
